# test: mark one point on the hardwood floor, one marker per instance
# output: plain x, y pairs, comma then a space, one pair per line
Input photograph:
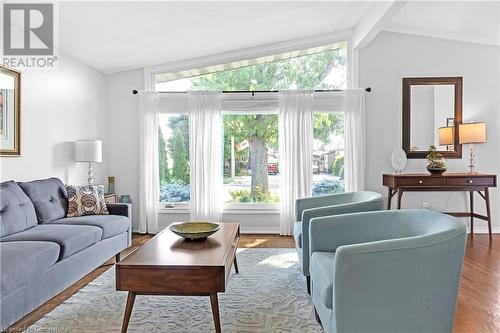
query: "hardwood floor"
478, 308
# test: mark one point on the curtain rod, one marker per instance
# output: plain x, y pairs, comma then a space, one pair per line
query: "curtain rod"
245, 91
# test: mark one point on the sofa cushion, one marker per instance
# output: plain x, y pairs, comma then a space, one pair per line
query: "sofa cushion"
321, 269
71, 238
111, 225
23, 261
16, 210
297, 234
49, 198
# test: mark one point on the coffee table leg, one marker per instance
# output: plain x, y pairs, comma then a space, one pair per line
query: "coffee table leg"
215, 311
236, 265
128, 310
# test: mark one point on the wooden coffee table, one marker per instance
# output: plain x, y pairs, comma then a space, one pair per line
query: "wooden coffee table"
170, 265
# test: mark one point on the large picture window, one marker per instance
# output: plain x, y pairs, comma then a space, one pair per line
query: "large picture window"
250, 162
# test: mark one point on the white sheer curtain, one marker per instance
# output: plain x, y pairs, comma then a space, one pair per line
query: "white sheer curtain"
295, 151
354, 131
148, 162
205, 155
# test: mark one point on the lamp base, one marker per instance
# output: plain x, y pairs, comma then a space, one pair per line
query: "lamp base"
472, 155
90, 174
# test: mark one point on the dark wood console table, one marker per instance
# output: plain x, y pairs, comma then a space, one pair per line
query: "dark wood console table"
463, 182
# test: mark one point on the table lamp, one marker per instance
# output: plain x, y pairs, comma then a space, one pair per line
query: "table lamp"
471, 133
446, 135
89, 151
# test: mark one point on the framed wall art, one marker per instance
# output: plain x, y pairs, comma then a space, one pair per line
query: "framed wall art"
10, 112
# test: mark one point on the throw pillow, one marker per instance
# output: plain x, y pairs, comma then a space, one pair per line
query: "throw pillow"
86, 200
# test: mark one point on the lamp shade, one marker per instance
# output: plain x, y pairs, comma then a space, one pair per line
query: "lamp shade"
446, 135
88, 151
472, 133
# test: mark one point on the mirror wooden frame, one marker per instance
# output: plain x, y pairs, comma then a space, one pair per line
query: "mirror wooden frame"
16, 151
407, 84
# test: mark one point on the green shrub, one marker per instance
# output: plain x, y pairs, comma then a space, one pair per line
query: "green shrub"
337, 167
259, 196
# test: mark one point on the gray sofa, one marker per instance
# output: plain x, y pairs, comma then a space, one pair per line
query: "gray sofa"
42, 252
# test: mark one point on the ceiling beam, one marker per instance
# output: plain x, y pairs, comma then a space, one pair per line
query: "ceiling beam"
377, 15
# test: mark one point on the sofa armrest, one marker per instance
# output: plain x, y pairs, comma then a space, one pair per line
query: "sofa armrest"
122, 209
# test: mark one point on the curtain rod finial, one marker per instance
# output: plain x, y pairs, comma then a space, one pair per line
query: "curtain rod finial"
134, 92
368, 89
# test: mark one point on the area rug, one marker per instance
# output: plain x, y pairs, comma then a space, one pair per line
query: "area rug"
268, 295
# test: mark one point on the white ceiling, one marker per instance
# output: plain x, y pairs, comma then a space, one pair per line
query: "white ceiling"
111, 36
114, 36
477, 22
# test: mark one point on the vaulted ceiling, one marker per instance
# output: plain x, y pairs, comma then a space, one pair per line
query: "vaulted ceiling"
114, 36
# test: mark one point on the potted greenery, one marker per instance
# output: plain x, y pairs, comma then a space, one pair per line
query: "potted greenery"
435, 161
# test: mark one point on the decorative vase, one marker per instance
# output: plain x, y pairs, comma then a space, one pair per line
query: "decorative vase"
125, 199
111, 185
436, 171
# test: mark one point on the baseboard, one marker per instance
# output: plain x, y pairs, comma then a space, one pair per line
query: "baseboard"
484, 230
259, 230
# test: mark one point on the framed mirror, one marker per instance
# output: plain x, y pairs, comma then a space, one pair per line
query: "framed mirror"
432, 110
10, 112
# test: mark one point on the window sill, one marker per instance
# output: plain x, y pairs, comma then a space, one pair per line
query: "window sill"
228, 209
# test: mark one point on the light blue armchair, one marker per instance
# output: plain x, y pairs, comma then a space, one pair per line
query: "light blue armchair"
388, 271
334, 204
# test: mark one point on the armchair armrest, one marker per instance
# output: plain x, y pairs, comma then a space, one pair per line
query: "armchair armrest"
327, 233
123, 209
314, 202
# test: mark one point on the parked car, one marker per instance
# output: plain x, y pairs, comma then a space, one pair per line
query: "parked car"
272, 167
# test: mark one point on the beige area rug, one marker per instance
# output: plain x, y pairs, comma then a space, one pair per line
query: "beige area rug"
268, 295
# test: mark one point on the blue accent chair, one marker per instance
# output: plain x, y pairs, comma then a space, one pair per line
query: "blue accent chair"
388, 271
334, 204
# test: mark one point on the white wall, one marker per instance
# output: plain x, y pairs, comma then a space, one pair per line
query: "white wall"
58, 106
384, 63
122, 130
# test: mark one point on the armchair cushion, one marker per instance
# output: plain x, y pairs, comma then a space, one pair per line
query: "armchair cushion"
322, 267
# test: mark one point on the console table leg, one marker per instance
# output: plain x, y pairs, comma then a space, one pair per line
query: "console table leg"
128, 310
236, 265
488, 210
215, 311
471, 197
400, 195
389, 197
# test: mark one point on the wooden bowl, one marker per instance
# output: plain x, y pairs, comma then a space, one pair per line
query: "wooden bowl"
194, 230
